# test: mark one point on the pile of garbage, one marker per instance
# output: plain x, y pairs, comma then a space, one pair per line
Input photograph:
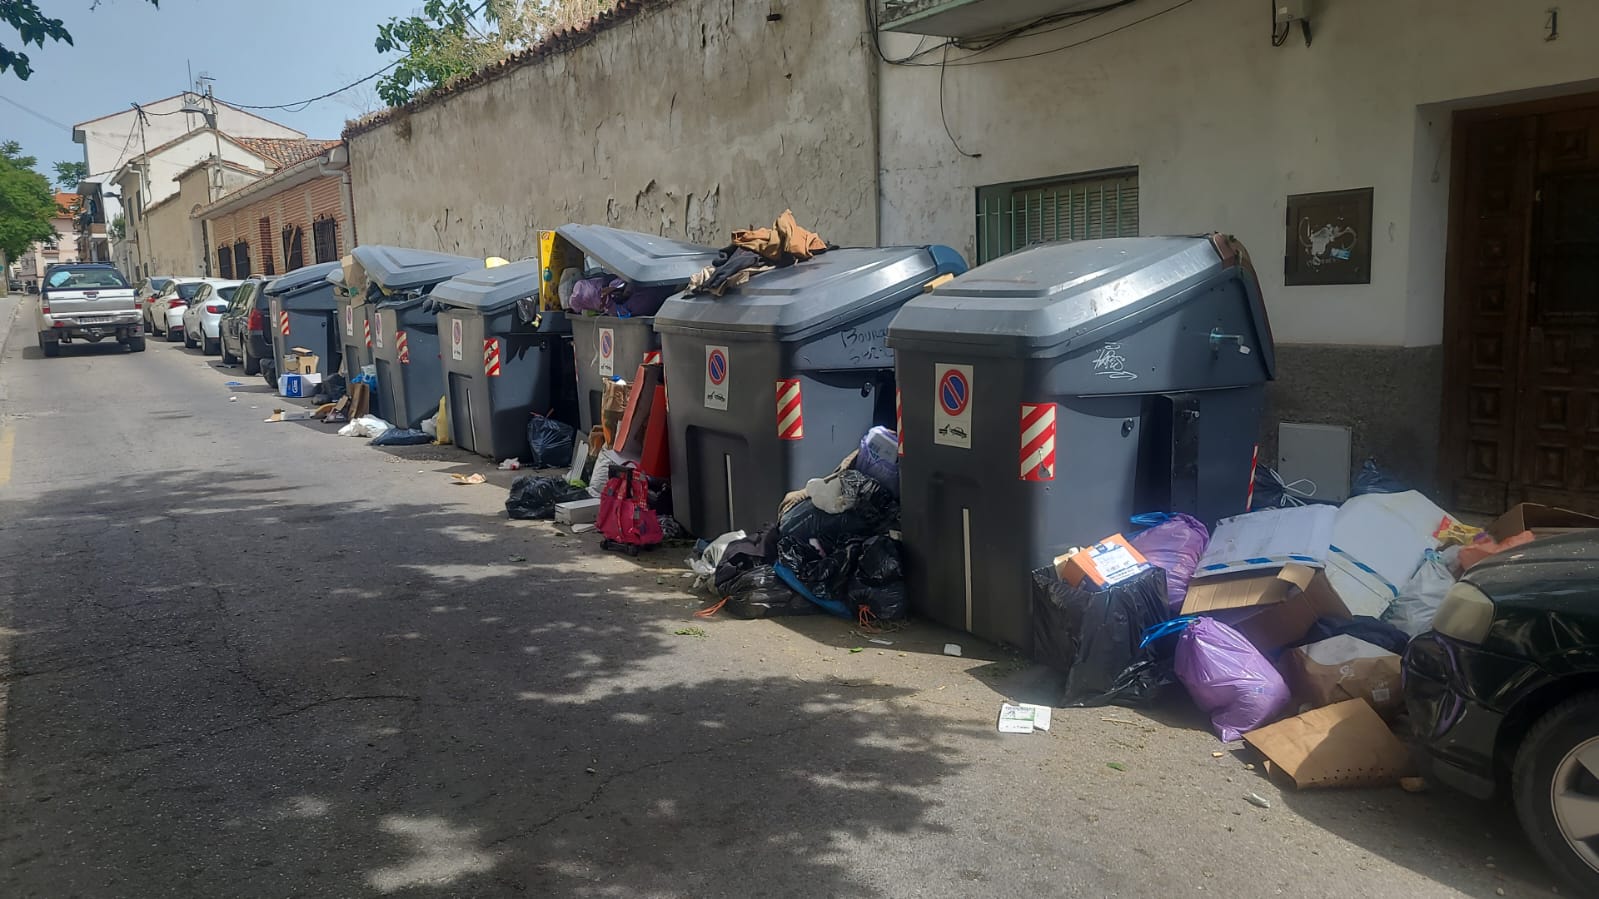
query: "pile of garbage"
1285, 625
834, 548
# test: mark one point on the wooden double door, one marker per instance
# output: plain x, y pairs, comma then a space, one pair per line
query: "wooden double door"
1521, 351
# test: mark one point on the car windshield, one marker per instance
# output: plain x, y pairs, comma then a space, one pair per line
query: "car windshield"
187, 291
227, 292
81, 279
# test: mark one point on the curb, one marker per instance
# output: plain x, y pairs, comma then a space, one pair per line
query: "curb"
10, 320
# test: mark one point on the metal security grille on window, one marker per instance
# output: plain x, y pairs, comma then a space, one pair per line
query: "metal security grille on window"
1089, 207
241, 260
225, 262
325, 240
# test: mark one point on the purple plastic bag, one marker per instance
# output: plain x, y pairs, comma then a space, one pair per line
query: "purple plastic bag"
1176, 546
1229, 678
595, 295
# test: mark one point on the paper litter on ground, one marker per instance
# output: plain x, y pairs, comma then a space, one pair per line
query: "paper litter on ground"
1023, 718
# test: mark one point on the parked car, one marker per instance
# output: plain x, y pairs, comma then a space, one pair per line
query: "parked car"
14, 285
147, 290
242, 330
1504, 693
173, 300
202, 313
87, 301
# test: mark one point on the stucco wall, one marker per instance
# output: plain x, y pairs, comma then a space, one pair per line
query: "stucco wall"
688, 120
1222, 126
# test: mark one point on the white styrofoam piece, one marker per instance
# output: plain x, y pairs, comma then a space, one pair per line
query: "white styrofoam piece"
578, 511
1378, 542
1268, 539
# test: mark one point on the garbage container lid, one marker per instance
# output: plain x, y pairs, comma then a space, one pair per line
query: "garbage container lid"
404, 268
490, 290
810, 297
311, 277
1051, 294
647, 260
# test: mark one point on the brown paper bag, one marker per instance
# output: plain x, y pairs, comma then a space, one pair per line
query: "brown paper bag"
1341, 668
1343, 745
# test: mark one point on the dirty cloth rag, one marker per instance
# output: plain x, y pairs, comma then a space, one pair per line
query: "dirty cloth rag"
733, 267
783, 243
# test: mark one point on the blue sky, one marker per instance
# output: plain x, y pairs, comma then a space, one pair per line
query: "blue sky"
260, 53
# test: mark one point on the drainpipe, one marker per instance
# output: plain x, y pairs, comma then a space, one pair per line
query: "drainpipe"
338, 163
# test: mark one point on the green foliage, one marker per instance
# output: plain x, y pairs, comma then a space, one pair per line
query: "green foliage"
33, 27
119, 228
70, 174
26, 202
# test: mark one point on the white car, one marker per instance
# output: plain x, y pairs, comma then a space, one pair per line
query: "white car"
148, 290
202, 313
169, 305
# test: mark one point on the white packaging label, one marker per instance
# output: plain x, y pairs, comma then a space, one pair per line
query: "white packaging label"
349, 321
718, 377
952, 405
377, 334
455, 339
607, 352
1114, 562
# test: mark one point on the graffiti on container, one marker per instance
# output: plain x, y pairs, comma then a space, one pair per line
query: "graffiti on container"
866, 344
1112, 364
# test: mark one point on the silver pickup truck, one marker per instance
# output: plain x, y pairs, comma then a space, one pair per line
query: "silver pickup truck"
88, 301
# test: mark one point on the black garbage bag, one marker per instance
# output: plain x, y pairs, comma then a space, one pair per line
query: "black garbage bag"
550, 442
824, 567
874, 511
760, 593
535, 497
885, 601
1372, 479
1362, 627
1271, 492
880, 562
401, 437
1093, 636
743, 555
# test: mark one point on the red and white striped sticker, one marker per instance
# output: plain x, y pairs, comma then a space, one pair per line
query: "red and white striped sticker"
1038, 442
899, 420
368, 326
283, 323
653, 357
491, 357
790, 411
1249, 498
402, 348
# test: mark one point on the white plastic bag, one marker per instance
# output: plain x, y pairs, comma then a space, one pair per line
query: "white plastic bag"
704, 564
365, 426
430, 426
1421, 596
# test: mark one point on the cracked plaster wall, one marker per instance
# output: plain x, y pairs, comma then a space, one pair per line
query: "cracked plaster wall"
688, 121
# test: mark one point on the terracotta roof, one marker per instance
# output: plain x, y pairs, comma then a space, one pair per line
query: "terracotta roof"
558, 42
66, 201
283, 152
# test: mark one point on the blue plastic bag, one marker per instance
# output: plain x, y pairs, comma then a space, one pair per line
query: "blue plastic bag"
879, 458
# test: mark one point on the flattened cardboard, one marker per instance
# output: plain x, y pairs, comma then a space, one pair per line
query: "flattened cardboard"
1244, 591
1543, 521
1343, 745
1271, 610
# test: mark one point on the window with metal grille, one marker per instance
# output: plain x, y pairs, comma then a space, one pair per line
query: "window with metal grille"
325, 239
293, 248
264, 231
1074, 207
241, 260
224, 262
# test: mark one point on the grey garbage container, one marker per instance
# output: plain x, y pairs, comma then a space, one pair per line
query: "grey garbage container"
613, 345
355, 330
405, 331
1051, 394
500, 368
303, 310
776, 381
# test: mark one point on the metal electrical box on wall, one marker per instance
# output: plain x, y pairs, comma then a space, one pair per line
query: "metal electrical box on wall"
1318, 455
1288, 11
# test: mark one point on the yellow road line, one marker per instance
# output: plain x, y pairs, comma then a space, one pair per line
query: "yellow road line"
8, 442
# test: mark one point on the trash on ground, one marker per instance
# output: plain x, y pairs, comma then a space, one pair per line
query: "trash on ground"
232, 383
582, 510
533, 497
1413, 784
466, 479
233, 399
881, 642
952, 649
550, 442
1173, 543
1228, 677
401, 437
1342, 668
1023, 718
287, 415
510, 464
1104, 564
1418, 601
1343, 745
1094, 635
1258, 800
365, 426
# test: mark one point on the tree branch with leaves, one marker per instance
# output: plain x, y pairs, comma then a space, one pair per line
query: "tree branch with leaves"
27, 205
32, 27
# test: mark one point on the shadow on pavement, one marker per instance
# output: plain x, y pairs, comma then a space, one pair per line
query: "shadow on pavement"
234, 690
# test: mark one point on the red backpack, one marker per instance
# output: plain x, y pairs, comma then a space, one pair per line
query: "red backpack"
625, 519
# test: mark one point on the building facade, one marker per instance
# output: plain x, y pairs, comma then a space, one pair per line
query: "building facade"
298, 216
63, 248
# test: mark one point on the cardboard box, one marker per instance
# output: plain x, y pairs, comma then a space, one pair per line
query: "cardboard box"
1339, 669
292, 385
1543, 521
578, 511
1343, 745
1110, 561
1272, 609
301, 361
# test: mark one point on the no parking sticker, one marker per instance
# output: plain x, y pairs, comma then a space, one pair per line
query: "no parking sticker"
607, 352
349, 321
378, 334
716, 377
455, 339
952, 405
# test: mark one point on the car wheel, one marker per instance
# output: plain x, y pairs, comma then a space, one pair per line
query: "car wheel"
50, 348
175, 336
227, 357
252, 366
1556, 787
210, 346
136, 344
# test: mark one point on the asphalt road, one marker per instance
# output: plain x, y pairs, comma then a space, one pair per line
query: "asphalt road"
249, 659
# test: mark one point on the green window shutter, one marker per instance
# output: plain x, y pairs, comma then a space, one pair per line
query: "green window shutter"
1079, 207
